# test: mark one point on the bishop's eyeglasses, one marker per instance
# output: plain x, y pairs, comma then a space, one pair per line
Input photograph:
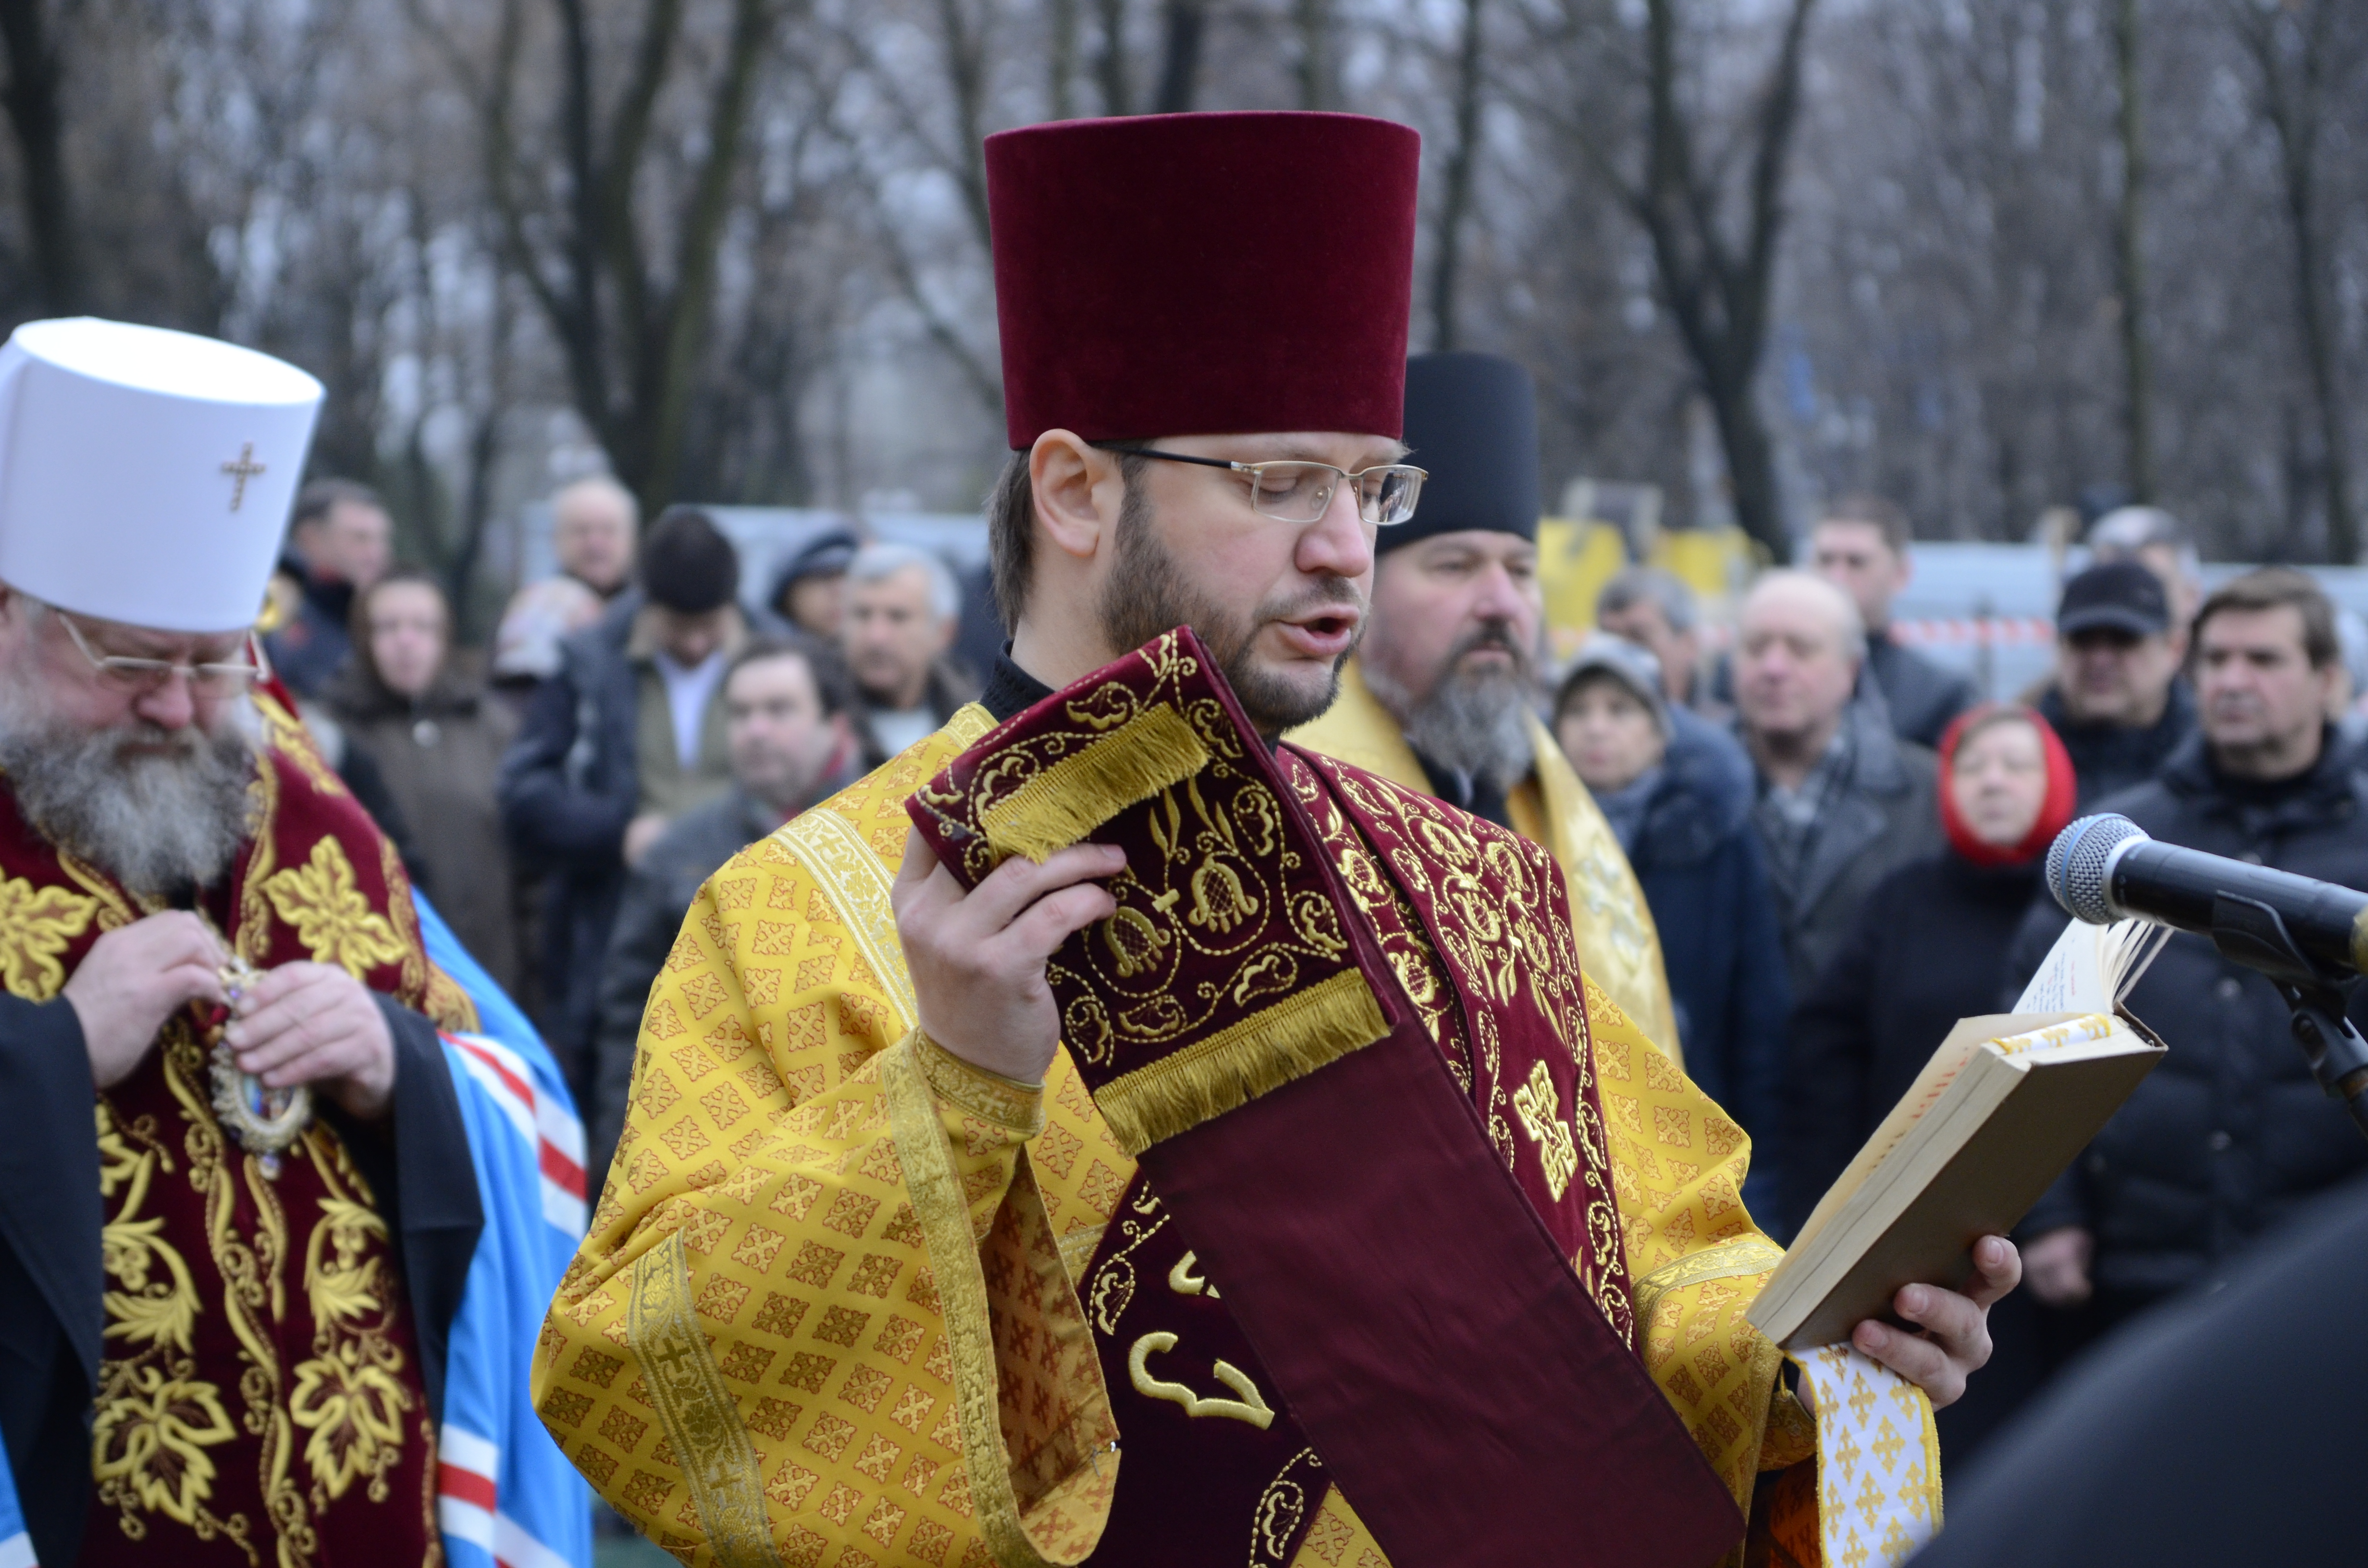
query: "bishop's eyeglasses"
1298, 490
130, 674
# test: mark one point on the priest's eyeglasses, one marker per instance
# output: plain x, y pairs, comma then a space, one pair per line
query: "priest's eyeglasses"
1295, 491
143, 676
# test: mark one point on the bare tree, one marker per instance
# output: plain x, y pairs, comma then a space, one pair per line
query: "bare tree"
1111, 73
36, 77
1184, 28
2301, 50
2129, 250
623, 265
1714, 232
1455, 204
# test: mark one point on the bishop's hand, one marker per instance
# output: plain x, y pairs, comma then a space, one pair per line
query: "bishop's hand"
977, 957
1955, 1341
134, 978
313, 1023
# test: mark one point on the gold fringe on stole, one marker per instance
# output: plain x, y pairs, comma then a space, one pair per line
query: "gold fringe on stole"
1078, 793
697, 1411
944, 1212
1257, 1056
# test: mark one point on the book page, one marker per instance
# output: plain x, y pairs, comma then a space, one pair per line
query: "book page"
2073, 980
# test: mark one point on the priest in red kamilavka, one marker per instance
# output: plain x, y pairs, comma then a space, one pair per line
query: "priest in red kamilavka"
1106, 1135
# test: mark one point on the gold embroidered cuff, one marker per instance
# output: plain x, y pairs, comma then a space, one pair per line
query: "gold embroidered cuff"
990, 1096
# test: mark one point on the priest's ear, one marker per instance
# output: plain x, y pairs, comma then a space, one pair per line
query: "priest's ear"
1079, 490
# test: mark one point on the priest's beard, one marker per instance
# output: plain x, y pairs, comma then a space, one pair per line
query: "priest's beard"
1147, 593
1476, 721
160, 810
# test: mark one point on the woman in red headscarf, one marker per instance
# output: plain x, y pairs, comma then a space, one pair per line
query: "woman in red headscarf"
1929, 949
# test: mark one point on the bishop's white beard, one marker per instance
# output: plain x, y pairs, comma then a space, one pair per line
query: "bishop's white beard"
165, 816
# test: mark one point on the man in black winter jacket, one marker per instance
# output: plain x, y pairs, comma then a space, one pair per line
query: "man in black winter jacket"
2231, 1132
2117, 698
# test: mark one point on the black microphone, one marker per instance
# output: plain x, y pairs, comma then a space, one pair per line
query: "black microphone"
2105, 868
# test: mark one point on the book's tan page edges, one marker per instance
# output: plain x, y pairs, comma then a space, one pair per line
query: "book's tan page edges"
1986, 1189
1939, 1073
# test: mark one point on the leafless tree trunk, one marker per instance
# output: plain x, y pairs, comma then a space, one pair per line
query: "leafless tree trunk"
1185, 29
1717, 286
1455, 202
631, 338
2137, 371
1109, 59
1318, 68
36, 73
1061, 60
2295, 49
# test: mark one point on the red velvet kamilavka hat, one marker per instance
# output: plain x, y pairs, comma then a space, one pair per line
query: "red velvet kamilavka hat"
1204, 274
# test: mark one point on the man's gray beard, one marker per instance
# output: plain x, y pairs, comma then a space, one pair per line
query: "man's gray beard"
1477, 723
1146, 594
157, 822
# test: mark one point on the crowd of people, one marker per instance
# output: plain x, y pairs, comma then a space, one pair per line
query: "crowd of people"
634, 726
1373, 937
1838, 845
1873, 889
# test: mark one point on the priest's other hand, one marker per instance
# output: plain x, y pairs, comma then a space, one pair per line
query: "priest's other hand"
977, 957
1955, 1340
313, 1023
134, 978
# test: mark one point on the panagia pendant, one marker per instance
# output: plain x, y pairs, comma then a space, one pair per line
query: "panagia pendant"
265, 1120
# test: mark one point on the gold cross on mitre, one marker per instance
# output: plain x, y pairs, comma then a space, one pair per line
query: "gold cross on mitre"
242, 469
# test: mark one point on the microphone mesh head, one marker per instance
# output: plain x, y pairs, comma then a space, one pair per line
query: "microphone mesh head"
2076, 865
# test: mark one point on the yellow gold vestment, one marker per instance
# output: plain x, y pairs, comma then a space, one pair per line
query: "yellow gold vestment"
1618, 944
827, 1311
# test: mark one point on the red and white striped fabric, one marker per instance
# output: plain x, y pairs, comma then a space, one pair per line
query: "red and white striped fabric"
467, 1504
1971, 631
550, 1127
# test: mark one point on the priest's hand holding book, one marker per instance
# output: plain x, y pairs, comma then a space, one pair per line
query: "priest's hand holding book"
1951, 1336
1913, 1229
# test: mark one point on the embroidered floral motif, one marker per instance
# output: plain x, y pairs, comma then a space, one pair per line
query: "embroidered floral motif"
348, 1396
155, 1417
35, 927
354, 1409
332, 917
151, 1440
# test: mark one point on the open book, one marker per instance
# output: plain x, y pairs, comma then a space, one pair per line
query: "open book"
2004, 1105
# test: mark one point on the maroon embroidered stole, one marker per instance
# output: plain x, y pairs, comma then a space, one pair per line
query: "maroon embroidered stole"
1216, 1469
1407, 1290
259, 1402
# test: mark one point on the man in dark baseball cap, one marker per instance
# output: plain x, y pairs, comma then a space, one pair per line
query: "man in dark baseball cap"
2117, 699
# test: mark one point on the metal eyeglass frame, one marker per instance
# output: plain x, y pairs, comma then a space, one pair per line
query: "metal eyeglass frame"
148, 675
1257, 470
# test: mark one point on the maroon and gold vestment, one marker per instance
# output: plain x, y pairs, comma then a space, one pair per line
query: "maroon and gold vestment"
259, 1401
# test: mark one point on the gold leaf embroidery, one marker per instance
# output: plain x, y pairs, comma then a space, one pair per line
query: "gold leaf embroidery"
1539, 1109
154, 1437
354, 1409
332, 917
35, 927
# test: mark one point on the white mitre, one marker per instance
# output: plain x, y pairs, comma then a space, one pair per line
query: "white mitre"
146, 475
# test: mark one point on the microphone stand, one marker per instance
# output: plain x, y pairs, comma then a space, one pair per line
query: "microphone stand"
2249, 932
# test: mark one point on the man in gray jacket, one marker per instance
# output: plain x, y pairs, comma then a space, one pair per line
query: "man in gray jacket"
789, 732
1840, 800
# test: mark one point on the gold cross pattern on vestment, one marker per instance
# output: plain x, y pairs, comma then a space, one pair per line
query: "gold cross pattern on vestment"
242, 469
